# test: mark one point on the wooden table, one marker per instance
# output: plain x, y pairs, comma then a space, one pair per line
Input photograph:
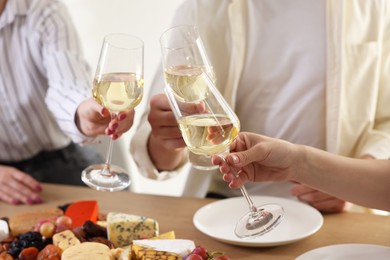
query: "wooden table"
176, 214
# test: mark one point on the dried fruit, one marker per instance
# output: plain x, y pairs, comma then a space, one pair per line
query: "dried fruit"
50, 252
29, 253
5, 256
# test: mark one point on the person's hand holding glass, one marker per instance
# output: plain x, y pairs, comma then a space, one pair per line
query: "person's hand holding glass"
118, 86
207, 123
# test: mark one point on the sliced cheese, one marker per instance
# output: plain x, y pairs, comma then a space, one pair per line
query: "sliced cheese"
182, 247
65, 239
123, 228
87, 250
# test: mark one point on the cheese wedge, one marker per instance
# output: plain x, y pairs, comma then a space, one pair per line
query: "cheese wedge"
81, 211
123, 228
181, 247
166, 235
144, 253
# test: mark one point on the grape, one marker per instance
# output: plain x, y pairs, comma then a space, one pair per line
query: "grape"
29, 239
194, 257
30, 236
60, 228
64, 220
15, 248
200, 250
42, 221
47, 229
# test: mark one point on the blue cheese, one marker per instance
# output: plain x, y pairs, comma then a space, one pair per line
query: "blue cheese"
123, 228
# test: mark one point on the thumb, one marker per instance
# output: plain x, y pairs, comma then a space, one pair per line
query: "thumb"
104, 112
241, 159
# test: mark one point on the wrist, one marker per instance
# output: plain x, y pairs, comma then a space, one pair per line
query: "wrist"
164, 158
301, 161
77, 122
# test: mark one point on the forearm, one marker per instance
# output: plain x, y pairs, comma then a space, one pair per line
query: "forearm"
364, 182
163, 158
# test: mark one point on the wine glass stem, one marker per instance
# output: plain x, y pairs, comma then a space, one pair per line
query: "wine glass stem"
252, 207
106, 169
244, 192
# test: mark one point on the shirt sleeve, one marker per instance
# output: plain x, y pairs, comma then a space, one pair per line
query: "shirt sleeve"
138, 145
67, 71
139, 142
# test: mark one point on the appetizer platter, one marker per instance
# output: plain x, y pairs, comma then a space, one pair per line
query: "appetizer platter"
78, 231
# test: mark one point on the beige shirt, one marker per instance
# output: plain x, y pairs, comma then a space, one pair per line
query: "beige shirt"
357, 79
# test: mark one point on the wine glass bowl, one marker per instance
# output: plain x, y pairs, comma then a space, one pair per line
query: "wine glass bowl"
206, 121
118, 86
208, 126
184, 60
118, 91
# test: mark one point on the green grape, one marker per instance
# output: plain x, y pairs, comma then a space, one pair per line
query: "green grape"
47, 229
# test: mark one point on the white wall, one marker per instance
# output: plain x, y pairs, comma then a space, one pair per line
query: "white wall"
146, 19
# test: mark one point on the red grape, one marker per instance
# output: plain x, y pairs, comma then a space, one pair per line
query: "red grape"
64, 221
194, 257
43, 220
60, 228
200, 250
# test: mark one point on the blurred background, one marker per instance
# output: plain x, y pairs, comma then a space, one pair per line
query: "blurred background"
146, 19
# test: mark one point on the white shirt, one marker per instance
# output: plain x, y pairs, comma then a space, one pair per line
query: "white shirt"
282, 88
43, 78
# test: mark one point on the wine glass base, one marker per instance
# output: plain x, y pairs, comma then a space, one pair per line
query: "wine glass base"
116, 179
201, 162
252, 225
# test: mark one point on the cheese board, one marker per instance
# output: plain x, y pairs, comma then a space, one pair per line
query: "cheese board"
79, 231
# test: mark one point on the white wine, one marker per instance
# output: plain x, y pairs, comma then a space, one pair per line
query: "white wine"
208, 134
118, 91
187, 83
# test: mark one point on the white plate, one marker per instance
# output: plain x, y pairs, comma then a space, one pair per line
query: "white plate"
348, 251
218, 220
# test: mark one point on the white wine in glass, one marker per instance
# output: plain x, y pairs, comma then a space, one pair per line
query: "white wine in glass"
184, 60
208, 126
118, 86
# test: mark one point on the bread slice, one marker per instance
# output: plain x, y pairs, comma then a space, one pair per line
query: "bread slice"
25, 222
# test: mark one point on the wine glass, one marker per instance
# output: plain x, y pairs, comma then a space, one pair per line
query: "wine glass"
184, 59
208, 126
117, 86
